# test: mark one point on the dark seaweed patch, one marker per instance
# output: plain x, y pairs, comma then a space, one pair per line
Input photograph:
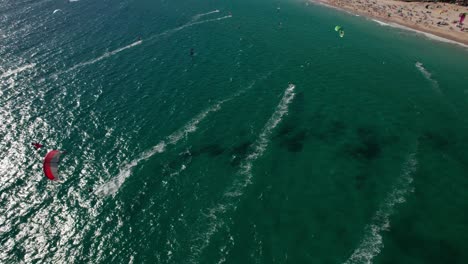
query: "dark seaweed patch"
337, 128
361, 180
368, 148
286, 129
212, 150
295, 142
332, 132
241, 149
239, 152
436, 140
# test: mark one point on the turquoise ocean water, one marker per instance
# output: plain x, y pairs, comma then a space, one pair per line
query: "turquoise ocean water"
277, 142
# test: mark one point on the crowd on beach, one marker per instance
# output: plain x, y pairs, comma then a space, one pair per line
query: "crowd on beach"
438, 18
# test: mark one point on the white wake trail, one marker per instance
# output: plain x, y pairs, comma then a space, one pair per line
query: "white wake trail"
372, 242
231, 197
105, 56
198, 16
139, 42
112, 186
428, 76
17, 70
191, 24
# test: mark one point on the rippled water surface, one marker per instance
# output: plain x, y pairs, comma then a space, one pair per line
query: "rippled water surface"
276, 141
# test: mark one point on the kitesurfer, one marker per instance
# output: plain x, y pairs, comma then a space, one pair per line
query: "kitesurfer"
37, 145
192, 52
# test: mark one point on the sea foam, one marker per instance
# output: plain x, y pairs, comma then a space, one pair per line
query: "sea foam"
428, 76
112, 186
232, 195
372, 242
139, 42
17, 70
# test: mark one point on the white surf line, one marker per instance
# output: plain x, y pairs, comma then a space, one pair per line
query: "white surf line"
380, 22
197, 17
426, 34
372, 242
17, 70
232, 195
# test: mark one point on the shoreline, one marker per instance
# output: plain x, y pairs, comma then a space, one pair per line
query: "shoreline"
374, 12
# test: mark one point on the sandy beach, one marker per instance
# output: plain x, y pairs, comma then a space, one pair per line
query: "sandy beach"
440, 19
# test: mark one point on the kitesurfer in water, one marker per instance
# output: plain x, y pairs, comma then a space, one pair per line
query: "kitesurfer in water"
37, 145
192, 52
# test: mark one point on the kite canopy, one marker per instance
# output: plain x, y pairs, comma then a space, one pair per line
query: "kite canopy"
50, 165
340, 30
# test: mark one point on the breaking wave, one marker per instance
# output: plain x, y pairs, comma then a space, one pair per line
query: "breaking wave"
380, 22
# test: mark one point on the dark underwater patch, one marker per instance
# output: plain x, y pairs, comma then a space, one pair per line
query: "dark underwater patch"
212, 150
294, 142
285, 130
436, 140
367, 148
331, 132
361, 179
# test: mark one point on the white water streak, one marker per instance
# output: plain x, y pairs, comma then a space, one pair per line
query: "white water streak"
428, 76
380, 22
197, 17
105, 55
372, 243
191, 24
114, 184
235, 191
17, 70
139, 42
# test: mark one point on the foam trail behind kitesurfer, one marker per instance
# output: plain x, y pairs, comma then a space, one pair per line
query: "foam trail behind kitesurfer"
198, 16
17, 70
114, 184
232, 195
428, 76
104, 56
140, 41
191, 24
436, 88
372, 242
